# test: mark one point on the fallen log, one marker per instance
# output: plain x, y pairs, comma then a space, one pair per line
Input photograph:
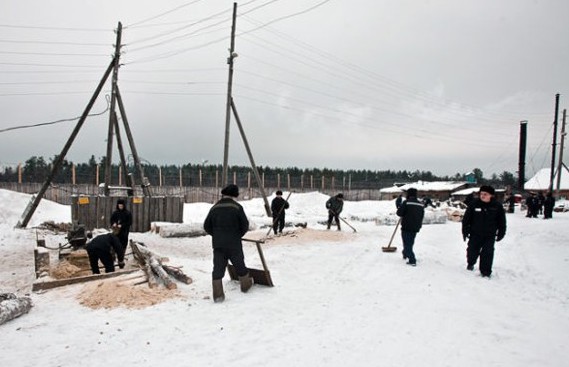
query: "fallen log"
178, 274
12, 306
152, 266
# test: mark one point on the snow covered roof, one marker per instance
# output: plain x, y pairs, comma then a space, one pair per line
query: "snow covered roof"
541, 180
391, 190
434, 186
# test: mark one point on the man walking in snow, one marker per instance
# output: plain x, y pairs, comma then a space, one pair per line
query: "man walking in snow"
484, 222
226, 222
278, 206
335, 205
411, 212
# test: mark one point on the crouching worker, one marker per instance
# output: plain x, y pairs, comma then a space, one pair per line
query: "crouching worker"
101, 248
226, 222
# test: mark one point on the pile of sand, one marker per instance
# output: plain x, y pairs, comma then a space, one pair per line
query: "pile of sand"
113, 293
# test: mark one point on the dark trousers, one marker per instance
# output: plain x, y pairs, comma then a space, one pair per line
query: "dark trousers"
106, 258
220, 258
336, 217
482, 246
547, 212
123, 238
408, 242
278, 222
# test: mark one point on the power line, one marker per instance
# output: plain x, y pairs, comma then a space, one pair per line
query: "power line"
54, 28
162, 14
107, 97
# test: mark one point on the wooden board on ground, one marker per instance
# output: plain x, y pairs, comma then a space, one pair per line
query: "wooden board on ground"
49, 284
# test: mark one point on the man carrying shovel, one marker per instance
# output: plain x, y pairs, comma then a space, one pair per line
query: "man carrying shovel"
411, 212
335, 205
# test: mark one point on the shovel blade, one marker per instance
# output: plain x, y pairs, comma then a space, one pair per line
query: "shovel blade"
259, 276
389, 249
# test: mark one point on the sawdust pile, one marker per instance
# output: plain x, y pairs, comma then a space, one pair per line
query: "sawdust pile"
308, 236
113, 294
65, 270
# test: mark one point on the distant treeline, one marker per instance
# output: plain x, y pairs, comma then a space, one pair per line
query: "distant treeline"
37, 169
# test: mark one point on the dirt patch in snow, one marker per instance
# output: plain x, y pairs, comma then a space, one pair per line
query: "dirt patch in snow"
307, 236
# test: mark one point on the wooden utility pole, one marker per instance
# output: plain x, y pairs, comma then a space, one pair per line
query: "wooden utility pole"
32, 206
560, 164
253, 165
143, 180
554, 144
232, 55
108, 160
522, 155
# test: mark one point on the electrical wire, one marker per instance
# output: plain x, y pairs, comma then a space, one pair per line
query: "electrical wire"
107, 97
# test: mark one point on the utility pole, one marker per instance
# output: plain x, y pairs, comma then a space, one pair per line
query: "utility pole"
232, 55
560, 165
554, 144
112, 115
33, 204
522, 155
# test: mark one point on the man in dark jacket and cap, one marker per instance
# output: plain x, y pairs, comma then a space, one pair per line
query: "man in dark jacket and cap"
335, 205
484, 222
101, 248
121, 220
411, 212
278, 206
227, 223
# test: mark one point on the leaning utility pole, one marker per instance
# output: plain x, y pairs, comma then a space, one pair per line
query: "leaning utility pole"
554, 144
112, 115
560, 165
232, 55
522, 155
33, 204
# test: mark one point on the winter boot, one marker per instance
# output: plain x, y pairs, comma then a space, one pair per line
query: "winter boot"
218, 295
246, 282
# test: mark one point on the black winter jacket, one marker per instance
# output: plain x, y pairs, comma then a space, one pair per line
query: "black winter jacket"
484, 219
277, 204
411, 212
122, 217
226, 222
335, 205
105, 242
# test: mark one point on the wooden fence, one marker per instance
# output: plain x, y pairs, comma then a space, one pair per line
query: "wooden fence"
95, 211
64, 193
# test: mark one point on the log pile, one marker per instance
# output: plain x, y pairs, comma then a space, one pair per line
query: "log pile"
12, 306
156, 272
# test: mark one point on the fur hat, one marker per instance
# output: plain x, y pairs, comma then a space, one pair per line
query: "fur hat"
340, 196
488, 189
230, 190
279, 192
412, 192
121, 201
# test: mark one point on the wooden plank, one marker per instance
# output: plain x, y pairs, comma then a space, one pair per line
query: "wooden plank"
50, 284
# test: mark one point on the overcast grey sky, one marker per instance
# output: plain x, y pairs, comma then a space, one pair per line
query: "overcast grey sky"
347, 84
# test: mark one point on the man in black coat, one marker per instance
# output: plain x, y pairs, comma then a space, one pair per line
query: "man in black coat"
121, 220
484, 222
411, 212
335, 205
101, 248
226, 222
278, 206
548, 205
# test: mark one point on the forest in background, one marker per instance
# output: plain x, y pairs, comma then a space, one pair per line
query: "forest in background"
36, 169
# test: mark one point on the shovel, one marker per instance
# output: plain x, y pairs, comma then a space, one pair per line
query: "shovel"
389, 248
262, 277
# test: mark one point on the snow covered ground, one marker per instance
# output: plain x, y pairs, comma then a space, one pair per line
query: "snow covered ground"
338, 300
